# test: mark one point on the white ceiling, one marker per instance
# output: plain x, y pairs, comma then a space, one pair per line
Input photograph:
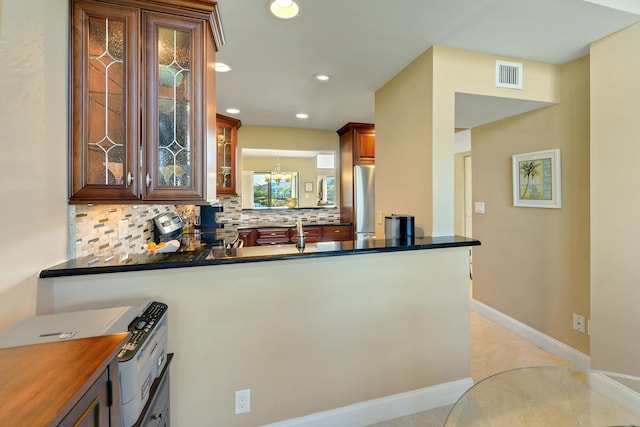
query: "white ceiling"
364, 43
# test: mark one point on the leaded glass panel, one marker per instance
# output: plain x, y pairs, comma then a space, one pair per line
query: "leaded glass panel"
174, 108
106, 125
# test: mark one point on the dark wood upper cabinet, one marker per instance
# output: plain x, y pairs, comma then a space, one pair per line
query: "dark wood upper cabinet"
360, 140
226, 163
142, 100
357, 147
365, 147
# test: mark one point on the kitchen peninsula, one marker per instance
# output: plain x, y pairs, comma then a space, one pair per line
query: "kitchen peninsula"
307, 331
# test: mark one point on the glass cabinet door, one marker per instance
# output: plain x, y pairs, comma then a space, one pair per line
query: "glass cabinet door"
104, 129
174, 98
142, 100
174, 136
227, 128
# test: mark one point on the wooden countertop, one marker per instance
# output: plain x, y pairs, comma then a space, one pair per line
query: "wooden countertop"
39, 383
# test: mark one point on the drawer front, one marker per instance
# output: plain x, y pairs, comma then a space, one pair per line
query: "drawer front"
336, 233
158, 415
272, 236
313, 234
248, 237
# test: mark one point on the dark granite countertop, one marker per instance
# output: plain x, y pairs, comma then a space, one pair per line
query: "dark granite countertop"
205, 257
281, 208
289, 224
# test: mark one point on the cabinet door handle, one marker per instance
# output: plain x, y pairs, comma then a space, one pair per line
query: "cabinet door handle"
129, 178
148, 180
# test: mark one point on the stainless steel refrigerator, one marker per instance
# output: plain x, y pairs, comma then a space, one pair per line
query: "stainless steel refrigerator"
364, 202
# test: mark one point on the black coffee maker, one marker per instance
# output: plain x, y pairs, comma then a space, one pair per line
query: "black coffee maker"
207, 225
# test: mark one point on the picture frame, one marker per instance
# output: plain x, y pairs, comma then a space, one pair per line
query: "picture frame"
308, 187
537, 179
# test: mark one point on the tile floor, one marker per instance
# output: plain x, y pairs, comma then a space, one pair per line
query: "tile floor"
493, 350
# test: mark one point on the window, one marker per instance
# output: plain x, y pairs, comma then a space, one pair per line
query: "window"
326, 190
270, 191
325, 161
331, 190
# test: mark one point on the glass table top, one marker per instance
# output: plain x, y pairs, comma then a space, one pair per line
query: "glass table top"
550, 396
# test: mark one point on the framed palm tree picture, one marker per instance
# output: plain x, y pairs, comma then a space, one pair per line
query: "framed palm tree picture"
536, 179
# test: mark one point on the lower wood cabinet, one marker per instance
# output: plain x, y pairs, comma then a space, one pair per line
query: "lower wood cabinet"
264, 236
93, 408
248, 236
272, 236
66, 383
336, 233
313, 234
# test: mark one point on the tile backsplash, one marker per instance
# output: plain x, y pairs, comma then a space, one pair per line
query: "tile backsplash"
234, 216
94, 230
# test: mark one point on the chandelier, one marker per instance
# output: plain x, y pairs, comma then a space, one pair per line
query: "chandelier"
277, 174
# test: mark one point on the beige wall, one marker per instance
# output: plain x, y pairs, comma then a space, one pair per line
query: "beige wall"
304, 166
459, 193
615, 177
286, 139
265, 137
403, 137
33, 123
304, 335
415, 116
533, 264
34, 37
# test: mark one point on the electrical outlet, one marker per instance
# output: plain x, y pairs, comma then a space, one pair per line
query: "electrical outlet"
579, 323
243, 401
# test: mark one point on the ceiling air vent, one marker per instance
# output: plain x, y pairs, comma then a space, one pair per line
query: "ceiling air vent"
509, 75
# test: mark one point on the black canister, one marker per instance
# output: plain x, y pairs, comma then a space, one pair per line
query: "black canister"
407, 226
399, 228
208, 217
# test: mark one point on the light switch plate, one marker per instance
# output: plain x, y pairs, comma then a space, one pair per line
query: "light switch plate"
479, 207
379, 217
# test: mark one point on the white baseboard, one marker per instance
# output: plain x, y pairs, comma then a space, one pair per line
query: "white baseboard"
547, 343
615, 391
385, 408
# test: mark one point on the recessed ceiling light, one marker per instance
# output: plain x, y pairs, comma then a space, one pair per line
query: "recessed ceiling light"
222, 68
284, 9
302, 116
322, 77
232, 110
